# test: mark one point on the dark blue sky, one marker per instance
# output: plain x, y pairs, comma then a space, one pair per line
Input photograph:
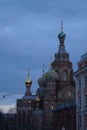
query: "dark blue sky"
28, 37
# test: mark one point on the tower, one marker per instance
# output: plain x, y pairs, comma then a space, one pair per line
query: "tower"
49, 100
37, 118
56, 88
65, 90
65, 87
28, 84
25, 106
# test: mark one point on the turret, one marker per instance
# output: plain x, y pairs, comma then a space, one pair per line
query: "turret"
28, 84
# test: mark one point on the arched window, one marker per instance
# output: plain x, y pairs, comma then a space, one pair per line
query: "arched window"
65, 75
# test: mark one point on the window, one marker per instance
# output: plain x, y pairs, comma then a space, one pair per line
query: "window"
65, 75
85, 81
86, 100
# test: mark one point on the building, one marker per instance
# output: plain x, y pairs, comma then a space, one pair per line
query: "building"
81, 93
25, 106
65, 113
53, 106
56, 88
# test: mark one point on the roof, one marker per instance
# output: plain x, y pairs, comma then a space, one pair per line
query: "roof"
29, 97
51, 75
38, 112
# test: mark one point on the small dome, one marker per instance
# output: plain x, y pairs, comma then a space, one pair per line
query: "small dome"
42, 80
61, 35
51, 75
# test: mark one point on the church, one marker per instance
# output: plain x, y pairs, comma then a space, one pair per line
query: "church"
53, 106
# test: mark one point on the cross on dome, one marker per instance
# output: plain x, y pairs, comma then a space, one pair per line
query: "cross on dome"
61, 26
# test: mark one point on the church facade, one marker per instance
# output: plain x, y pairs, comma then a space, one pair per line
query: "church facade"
54, 103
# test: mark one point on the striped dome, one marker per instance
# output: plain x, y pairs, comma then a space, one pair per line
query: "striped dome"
51, 75
42, 80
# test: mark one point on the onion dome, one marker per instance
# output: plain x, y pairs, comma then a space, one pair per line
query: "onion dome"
28, 81
61, 35
42, 79
62, 54
51, 75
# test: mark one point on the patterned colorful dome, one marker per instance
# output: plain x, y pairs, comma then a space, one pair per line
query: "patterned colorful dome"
61, 35
51, 75
42, 80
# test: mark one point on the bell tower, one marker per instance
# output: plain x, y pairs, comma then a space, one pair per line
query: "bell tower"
63, 67
61, 64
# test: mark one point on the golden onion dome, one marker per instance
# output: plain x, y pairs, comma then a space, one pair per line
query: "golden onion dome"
28, 81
